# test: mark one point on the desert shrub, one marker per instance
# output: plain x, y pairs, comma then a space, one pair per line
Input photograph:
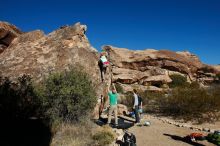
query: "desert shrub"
193, 102
18, 99
178, 80
150, 95
73, 135
119, 88
103, 137
152, 100
218, 76
128, 100
67, 96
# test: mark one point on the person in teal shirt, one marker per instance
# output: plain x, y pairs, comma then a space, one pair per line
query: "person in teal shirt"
113, 97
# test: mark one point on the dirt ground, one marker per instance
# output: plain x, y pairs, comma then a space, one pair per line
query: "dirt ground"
163, 134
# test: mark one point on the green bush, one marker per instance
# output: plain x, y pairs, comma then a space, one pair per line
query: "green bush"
178, 81
214, 138
193, 102
119, 88
152, 101
18, 99
103, 138
67, 96
218, 76
128, 100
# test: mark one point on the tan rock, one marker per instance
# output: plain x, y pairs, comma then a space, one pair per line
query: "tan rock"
127, 88
128, 76
153, 67
7, 34
158, 79
122, 109
38, 55
217, 67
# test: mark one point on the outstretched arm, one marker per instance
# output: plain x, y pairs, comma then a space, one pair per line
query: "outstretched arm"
113, 85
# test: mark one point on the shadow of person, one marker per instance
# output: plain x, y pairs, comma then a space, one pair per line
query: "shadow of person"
122, 124
184, 139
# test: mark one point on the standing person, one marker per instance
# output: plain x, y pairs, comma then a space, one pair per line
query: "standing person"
101, 105
135, 106
113, 97
140, 106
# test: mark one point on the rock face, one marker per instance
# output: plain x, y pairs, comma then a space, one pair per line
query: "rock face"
7, 34
149, 69
217, 67
38, 54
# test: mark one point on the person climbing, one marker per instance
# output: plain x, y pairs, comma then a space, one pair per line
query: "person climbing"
135, 106
103, 64
113, 97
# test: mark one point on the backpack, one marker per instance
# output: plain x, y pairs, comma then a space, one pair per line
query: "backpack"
214, 138
196, 136
129, 139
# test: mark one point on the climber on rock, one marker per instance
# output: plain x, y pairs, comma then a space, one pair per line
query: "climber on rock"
103, 64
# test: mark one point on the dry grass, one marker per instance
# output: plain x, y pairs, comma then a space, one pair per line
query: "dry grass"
103, 136
83, 134
73, 135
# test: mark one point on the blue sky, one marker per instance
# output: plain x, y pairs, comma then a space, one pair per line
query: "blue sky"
177, 25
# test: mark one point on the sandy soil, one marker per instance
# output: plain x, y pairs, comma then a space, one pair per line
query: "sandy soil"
163, 134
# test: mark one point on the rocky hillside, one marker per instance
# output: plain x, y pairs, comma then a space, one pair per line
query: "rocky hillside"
7, 34
151, 69
37, 54
217, 67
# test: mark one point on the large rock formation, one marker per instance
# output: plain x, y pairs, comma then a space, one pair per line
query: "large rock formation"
7, 34
217, 67
151, 68
37, 54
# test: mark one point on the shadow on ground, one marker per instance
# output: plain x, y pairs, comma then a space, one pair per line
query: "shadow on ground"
184, 139
24, 133
122, 123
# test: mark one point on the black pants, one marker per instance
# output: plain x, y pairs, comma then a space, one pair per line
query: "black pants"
136, 114
102, 69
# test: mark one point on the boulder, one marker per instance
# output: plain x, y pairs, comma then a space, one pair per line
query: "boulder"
148, 67
217, 67
129, 88
122, 109
160, 79
128, 76
36, 54
8, 33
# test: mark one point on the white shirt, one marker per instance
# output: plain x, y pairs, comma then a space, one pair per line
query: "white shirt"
135, 100
103, 59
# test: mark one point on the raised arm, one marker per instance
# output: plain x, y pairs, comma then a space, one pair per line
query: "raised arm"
113, 85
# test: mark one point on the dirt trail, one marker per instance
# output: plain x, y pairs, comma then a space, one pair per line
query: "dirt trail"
163, 134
